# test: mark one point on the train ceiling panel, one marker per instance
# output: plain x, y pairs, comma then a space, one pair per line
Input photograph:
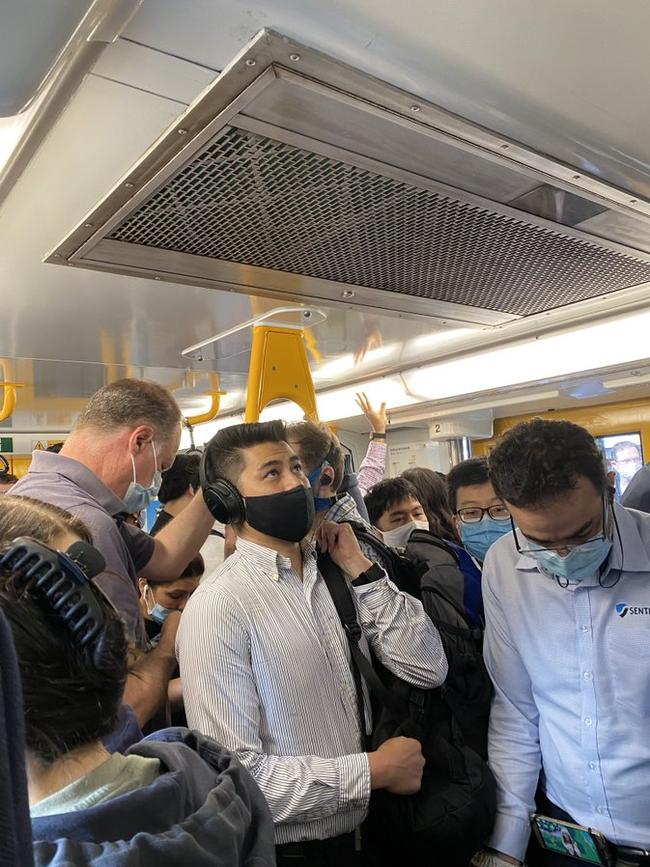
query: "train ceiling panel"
301, 178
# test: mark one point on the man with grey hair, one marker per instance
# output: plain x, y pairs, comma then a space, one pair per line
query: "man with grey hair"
110, 467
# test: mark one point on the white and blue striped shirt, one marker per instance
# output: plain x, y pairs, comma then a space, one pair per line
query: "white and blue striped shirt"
571, 672
266, 672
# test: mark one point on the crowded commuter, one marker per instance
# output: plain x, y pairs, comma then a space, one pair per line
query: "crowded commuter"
567, 640
180, 484
265, 662
637, 493
431, 491
176, 799
323, 460
481, 517
109, 467
7, 481
395, 509
626, 463
159, 599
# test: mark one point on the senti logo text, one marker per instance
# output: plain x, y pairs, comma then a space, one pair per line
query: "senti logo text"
623, 609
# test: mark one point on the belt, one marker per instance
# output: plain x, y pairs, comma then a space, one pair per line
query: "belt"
343, 844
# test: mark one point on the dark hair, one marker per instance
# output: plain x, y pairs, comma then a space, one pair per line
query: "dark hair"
182, 474
8, 478
385, 494
55, 448
318, 443
473, 471
432, 494
618, 448
538, 460
194, 569
223, 454
129, 403
71, 696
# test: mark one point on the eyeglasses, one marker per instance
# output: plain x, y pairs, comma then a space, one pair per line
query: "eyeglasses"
474, 514
605, 533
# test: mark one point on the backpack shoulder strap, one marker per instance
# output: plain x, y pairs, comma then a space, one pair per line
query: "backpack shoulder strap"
344, 603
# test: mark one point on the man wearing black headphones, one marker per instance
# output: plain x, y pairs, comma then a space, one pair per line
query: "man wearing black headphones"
264, 659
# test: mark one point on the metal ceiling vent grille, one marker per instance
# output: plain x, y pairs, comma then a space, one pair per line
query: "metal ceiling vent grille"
255, 201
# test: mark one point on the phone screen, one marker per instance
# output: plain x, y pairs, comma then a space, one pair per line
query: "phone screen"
566, 839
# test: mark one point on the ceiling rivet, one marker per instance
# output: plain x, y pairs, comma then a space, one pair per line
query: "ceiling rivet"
347, 293
576, 177
294, 57
156, 278
505, 147
251, 62
89, 225
181, 131
633, 201
128, 185
415, 108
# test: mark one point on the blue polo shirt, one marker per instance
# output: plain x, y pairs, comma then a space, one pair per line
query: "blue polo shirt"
70, 485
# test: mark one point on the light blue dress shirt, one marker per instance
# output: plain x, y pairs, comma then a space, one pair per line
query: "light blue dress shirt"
571, 671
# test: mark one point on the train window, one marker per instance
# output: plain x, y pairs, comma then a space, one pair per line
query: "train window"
623, 454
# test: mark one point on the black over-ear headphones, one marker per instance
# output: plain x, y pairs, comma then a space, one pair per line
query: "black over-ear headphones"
222, 498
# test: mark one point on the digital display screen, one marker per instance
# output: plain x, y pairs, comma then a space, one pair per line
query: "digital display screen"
565, 840
623, 454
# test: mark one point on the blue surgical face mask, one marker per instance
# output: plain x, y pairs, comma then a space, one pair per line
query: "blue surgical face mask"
321, 504
478, 538
581, 562
138, 497
156, 611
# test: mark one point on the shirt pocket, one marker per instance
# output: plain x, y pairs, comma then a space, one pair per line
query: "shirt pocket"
630, 659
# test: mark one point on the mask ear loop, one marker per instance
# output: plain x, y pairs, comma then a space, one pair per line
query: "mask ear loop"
610, 501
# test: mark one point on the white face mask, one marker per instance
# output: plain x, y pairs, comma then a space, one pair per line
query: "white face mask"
399, 536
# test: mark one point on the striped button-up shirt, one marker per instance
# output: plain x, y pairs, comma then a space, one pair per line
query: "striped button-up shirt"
266, 672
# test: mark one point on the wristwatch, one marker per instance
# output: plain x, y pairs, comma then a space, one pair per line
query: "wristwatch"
375, 435
373, 573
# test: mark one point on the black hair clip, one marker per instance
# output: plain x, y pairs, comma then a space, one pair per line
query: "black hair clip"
63, 579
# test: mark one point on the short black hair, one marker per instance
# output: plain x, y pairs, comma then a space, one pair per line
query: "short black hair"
178, 478
55, 448
223, 454
385, 494
539, 460
473, 471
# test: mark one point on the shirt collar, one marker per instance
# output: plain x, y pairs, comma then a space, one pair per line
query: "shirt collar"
80, 475
269, 560
631, 557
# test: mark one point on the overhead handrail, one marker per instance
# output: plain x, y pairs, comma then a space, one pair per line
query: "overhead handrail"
310, 316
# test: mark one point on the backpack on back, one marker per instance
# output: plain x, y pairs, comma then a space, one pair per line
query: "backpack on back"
452, 815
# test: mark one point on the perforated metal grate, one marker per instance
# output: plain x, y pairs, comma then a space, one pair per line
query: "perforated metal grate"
260, 202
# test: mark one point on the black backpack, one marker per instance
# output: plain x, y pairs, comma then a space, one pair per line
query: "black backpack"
452, 815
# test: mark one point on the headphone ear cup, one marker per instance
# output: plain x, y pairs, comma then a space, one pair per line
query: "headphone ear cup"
224, 502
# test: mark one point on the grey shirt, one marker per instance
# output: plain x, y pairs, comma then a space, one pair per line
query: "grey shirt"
70, 485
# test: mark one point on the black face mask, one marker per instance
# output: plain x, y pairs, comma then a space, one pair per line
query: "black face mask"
288, 516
